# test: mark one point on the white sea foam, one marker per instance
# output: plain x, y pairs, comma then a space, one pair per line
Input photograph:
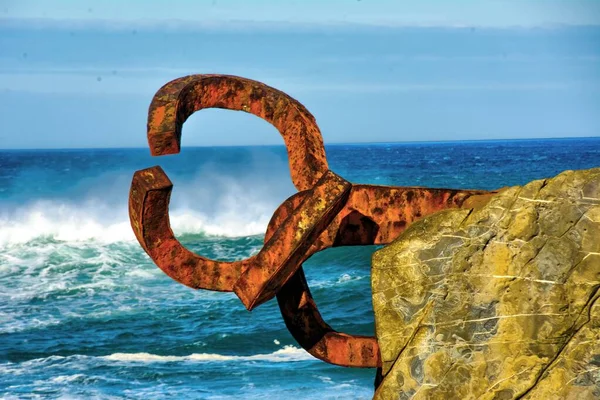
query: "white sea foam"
20, 322
286, 354
145, 274
342, 279
70, 223
211, 202
67, 378
48, 248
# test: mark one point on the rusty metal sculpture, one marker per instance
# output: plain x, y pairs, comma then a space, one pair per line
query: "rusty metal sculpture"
327, 211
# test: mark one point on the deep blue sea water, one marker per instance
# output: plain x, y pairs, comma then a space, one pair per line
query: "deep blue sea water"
85, 313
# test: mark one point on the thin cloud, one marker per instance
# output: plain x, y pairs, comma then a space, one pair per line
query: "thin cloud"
492, 87
92, 84
178, 25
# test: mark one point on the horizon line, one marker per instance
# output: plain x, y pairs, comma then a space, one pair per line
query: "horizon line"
326, 144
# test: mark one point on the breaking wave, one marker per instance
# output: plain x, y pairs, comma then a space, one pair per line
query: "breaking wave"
207, 204
286, 354
69, 223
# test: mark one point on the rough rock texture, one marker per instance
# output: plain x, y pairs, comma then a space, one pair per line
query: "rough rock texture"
496, 302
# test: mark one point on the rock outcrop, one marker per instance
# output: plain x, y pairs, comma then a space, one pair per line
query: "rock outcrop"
495, 302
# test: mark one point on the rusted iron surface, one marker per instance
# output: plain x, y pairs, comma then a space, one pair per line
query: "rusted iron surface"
362, 221
378, 214
264, 276
149, 215
180, 98
255, 279
327, 212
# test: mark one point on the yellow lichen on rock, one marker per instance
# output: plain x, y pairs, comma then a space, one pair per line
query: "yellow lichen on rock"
496, 302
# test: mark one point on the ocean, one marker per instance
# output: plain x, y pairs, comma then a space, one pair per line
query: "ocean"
84, 313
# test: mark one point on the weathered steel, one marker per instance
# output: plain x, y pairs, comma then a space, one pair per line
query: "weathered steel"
253, 279
282, 253
362, 221
327, 212
377, 214
180, 98
149, 215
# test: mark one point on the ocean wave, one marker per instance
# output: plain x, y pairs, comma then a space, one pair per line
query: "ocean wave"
64, 379
68, 277
66, 222
210, 202
17, 322
285, 354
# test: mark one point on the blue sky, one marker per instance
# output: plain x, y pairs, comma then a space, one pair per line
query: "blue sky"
386, 12
82, 73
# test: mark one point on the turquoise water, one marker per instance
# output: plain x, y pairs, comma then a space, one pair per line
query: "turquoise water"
85, 313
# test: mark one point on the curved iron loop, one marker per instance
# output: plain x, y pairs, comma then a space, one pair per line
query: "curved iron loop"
372, 215
149, 216
180, 98
252, 279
